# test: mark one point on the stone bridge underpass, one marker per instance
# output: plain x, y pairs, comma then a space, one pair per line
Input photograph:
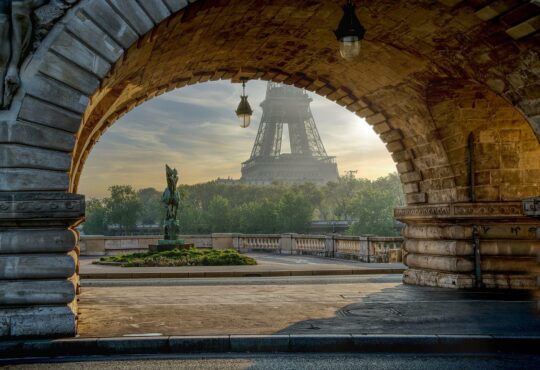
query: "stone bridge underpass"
451, 87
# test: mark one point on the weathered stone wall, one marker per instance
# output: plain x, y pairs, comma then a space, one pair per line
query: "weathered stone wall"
505, 152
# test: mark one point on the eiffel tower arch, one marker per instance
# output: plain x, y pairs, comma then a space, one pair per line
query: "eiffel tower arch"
307, 161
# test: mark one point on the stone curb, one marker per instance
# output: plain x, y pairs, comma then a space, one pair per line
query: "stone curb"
363, 343
216, 274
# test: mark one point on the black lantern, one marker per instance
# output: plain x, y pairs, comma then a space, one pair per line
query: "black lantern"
350, 32
244, 110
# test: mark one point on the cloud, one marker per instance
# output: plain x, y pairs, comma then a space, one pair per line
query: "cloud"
195, 129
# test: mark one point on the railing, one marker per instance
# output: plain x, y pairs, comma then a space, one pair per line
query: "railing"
347, 247
361, 248
309, 244
260, 242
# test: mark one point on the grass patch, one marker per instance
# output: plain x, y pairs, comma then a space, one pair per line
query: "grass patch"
182, 257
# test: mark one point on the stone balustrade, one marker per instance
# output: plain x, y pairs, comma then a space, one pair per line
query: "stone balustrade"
262, 242
362, 248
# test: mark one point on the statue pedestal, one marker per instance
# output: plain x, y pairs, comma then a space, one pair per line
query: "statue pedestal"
163, 246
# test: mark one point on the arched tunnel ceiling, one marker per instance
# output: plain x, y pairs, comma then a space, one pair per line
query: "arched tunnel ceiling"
408, 45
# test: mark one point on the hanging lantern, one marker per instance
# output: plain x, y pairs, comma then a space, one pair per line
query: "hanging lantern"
244, 110
350, 32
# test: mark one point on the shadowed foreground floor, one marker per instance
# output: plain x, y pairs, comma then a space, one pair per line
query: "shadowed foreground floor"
300, 305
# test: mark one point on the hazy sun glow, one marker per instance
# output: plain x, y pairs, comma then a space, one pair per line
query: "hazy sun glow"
195, 130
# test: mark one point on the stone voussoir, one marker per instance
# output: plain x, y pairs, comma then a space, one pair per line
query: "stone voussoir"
111, 22
85, 30
31, 134
69, 73
48, 114
78, 53
22, 156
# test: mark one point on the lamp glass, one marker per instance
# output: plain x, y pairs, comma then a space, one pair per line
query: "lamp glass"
349, 47
245, 120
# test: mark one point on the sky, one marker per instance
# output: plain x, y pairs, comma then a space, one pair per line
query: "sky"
196, 130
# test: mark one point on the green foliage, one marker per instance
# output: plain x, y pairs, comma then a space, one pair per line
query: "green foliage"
152, 209
218, 215
182, 257
95, 223
123, 207
294, 213
256, 217
373, 207
216, 207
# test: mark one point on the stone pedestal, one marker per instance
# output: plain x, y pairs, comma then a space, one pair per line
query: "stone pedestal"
466, 245
39, 263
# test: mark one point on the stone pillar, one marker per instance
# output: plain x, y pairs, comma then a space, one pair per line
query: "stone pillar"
285, 244
223, 240
39, 263
441, 241
329, 250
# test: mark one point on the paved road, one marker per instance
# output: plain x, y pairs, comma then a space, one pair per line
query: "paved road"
299, 361
250, 280
297, 305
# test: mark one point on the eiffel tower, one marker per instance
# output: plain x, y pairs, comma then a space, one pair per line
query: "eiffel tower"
307, 162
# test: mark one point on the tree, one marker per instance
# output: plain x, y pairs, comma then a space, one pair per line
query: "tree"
256, 217
152, 209
218, 215
294, 213
216, 207
123, 207
95, 223
373, 210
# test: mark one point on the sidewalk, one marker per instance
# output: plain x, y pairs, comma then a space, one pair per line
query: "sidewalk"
376, 314
268, 265
373, 304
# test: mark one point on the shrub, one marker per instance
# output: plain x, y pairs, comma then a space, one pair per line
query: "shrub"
182, 257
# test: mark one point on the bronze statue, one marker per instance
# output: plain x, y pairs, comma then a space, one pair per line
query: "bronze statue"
15, 37
171, 198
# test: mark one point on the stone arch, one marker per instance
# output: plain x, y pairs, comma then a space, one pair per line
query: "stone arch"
72, 68
105, 57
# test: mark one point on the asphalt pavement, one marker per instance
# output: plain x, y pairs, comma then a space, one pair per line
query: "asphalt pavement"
381, 361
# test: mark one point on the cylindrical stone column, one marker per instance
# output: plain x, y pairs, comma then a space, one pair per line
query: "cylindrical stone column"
39, 263
441, 241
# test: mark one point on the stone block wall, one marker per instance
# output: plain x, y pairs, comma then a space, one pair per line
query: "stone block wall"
39, 253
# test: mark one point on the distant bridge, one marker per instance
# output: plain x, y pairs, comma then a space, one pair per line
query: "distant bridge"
330, 226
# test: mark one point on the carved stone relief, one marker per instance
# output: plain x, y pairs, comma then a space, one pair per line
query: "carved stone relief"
23, 23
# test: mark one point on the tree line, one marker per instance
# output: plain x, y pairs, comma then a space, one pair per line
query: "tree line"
278, 208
